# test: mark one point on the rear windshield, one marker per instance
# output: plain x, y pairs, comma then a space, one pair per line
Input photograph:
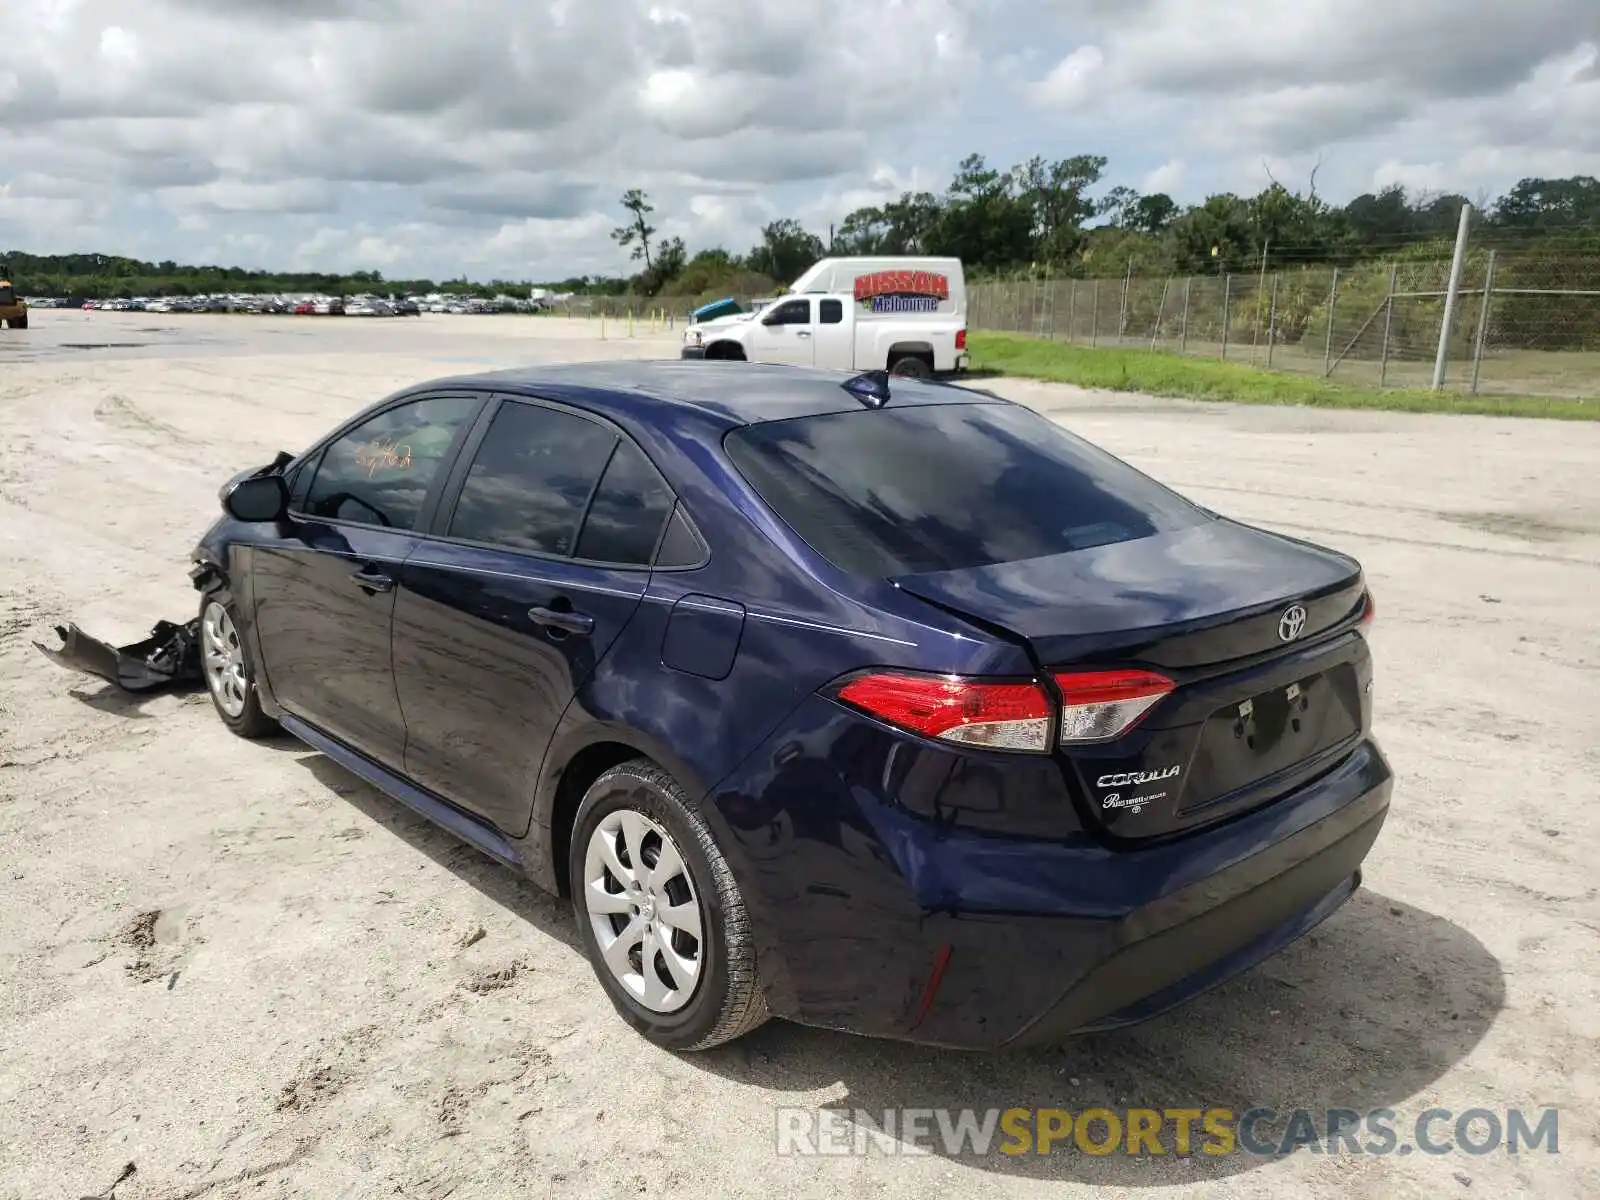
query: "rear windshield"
902, 491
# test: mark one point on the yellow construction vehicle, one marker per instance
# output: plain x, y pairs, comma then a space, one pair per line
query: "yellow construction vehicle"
13, 310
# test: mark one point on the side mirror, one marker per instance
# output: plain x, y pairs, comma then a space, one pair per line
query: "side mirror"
263, 498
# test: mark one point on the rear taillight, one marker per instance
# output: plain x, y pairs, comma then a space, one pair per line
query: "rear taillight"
1100, 705
1369, 609
961, 339
989, 716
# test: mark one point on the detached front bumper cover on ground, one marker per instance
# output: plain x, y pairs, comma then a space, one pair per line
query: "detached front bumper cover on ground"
169, 657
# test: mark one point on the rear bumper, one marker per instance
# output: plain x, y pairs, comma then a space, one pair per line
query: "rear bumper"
898, 927
692, 352
1171, 950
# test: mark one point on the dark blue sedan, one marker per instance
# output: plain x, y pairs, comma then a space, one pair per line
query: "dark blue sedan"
883, 706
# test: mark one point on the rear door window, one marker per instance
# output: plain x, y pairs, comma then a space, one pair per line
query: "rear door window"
902, 491
530, 482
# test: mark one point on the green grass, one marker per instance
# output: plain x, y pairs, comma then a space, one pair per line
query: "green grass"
1159, 373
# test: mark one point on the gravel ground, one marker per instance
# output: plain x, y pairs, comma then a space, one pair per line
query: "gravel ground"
246, 973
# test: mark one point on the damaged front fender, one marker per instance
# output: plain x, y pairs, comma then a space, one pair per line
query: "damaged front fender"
169, 657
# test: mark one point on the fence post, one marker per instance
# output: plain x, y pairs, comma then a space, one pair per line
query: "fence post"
1261, 287
1388, 323
1183, 338
1451, 292
1122, 317
1483, 322
1333, 307
1227, 310
1094, 317
1272, 319
1160, 312
1072, 309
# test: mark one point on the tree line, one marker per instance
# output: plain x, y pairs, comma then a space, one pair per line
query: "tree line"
1041, 218
1053, 220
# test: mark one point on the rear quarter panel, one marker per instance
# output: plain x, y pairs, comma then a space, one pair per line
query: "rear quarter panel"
797, 635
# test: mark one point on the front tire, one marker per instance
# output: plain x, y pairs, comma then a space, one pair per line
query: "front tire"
660, 913
229, 679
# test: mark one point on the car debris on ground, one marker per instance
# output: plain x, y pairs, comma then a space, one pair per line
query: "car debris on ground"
169, 657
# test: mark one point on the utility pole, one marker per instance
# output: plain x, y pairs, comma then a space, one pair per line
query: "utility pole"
1450, 296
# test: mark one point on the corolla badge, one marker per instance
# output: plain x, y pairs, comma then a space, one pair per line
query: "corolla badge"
1292, 624
1136, 778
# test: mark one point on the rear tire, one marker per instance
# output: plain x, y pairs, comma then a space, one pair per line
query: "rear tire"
229, 680
911, 366
670, 943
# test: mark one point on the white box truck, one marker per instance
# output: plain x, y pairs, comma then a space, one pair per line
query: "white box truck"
907, 316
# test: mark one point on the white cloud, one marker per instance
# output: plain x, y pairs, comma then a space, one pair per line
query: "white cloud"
117, 45
437, 137
1071, 82
240, 196
1168, 177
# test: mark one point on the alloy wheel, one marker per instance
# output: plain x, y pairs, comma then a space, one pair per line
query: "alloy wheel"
224, 660
644, 910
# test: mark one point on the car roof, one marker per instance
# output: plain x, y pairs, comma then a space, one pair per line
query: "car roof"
728, 393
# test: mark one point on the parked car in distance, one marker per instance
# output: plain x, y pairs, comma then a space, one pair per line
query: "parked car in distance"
878, 705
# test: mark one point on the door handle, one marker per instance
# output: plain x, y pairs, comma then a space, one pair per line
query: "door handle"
568, 622
805, 333
372, 581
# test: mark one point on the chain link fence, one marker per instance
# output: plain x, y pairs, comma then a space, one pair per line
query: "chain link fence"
1523, 324
670, 309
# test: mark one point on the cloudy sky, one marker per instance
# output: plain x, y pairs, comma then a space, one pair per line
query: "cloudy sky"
492, 137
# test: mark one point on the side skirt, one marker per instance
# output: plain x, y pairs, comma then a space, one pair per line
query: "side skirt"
468, 829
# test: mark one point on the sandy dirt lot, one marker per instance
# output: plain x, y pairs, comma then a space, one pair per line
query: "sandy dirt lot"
243, 971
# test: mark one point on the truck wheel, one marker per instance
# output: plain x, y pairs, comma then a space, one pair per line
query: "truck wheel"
912, 366
20, 323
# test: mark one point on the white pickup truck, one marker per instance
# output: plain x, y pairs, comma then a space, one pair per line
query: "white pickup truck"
906, 316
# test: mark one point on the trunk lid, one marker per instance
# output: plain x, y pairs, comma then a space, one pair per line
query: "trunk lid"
1258, 631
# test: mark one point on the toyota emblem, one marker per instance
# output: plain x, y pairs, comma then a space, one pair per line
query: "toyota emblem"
1293, 623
